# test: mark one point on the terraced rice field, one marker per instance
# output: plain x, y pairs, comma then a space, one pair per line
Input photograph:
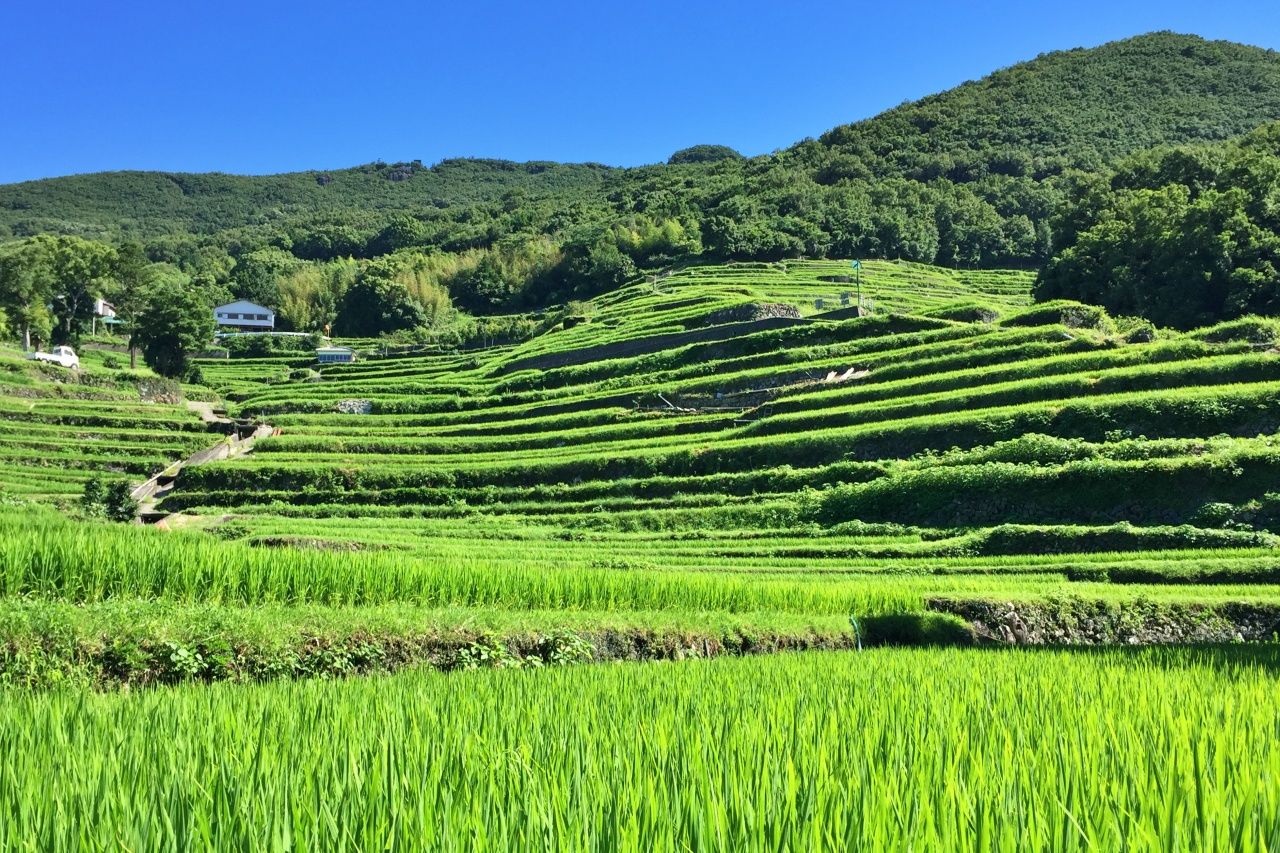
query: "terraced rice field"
59, 428
1011, 443
706, 464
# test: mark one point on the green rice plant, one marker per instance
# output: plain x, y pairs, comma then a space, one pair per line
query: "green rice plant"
883, 749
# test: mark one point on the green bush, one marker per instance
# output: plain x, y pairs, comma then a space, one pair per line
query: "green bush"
112, 500
266, 346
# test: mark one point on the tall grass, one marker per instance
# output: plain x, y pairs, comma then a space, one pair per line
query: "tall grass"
883, 750
44, 556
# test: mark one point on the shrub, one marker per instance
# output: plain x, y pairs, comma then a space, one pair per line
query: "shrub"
1136, 330
1073, 315
110, 500
964, 312
265, 346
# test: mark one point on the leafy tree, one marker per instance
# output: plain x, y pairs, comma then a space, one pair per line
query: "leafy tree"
310, 295
63, 274
54, 275
486, 286
375, 305
402, 232
111, 500
595, 263
753, 238
25, 292
328, 242
134, 275
176, 323
969, 230
80, 272
256, 275
120, 504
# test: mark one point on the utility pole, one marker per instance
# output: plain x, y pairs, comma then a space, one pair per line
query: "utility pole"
857, 268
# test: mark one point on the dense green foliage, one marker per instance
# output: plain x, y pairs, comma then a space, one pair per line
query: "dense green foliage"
1182, 236
48, 284
703, 154
176, 323
110, 500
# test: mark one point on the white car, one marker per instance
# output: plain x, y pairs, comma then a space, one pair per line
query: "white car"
64, 356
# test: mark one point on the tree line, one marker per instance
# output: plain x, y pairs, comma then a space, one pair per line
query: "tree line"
1184, 236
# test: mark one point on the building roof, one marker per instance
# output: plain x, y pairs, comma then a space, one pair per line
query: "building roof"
333, 349
241, 305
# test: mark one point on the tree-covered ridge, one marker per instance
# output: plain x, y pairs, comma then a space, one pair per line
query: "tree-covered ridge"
148, 204
973, 177
1004, 136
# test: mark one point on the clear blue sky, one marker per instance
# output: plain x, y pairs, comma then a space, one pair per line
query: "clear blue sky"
268, 86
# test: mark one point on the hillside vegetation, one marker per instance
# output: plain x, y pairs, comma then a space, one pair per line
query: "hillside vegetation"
1183, 236
969, 176
998, 173
149, 204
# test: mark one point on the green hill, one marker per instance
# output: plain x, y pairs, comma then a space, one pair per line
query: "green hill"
1074, 108
970, 176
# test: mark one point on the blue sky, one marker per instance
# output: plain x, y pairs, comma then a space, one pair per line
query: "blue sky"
270, 86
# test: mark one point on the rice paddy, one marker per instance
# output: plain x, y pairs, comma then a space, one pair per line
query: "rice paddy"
885, 749
725, 461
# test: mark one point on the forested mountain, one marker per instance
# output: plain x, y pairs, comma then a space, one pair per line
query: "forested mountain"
1074, 108
973, 177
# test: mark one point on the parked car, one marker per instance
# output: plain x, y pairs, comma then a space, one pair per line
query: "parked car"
64, 356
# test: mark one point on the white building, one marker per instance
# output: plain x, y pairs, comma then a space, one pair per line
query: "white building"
244, 316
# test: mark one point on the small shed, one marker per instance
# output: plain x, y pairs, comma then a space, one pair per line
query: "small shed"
335, 355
